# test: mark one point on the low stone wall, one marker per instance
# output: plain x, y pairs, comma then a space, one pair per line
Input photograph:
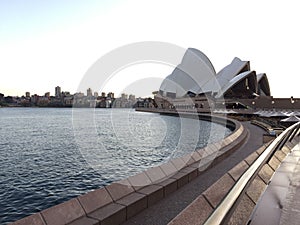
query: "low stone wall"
121, 200
262, 125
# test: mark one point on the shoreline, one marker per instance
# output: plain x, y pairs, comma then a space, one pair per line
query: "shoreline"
132, 192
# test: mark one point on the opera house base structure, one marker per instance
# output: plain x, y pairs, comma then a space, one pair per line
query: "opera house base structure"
194, 85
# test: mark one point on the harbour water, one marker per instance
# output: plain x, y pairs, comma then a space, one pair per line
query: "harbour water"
44, 160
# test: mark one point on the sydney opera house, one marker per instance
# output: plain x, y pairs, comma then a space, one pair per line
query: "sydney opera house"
194, 83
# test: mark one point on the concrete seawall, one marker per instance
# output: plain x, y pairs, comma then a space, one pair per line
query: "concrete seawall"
121, 200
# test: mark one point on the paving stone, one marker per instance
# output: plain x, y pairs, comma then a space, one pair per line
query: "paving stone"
229, 139
63, 213
218, 145
139, 180
85, 221
187, 159
94, 200
112, 214
289, 145
297, 137
192, 172
182, 178
191, 159
215, 193
154, 193
256, 188
195, 165
280, 155
286, 149
195, 214
236, 132
35, 219
237, 171
169, 185
155, 174
233, 137
206, 162
294, 142
224, 143
178, 163
239, 131
266, 173
274, 163
251, 158
242, 212
134, 203
119, 189
168, 168
196, 156
210, 149
227, 150
201, 152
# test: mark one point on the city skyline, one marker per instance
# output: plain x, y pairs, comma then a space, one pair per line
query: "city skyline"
62, 98
58, 92
47, 43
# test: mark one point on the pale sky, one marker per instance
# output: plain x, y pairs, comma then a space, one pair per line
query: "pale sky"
44, 44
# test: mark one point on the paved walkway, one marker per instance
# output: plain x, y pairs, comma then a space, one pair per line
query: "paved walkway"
280, 203
165, 210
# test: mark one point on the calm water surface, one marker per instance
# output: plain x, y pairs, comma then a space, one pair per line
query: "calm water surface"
46, 158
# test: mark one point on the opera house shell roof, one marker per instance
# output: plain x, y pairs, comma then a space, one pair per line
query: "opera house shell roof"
196, 75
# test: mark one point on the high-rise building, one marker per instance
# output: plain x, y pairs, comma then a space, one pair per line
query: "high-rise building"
27, 94
34, 99
124, 96
132, 97
47, 94
111, 95
66, 93
1, 97
57, 91
89, 92
79, 95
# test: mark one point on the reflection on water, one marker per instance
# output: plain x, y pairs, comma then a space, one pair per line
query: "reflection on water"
45, 161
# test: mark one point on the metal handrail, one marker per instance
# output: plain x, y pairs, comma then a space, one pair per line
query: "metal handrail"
223, 212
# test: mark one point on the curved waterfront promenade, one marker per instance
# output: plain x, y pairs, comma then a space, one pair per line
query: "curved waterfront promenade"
122, 200
234, 204
168, 209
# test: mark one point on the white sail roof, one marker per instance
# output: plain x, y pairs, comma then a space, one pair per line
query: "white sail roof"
233, 82
196, 74
230, 71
